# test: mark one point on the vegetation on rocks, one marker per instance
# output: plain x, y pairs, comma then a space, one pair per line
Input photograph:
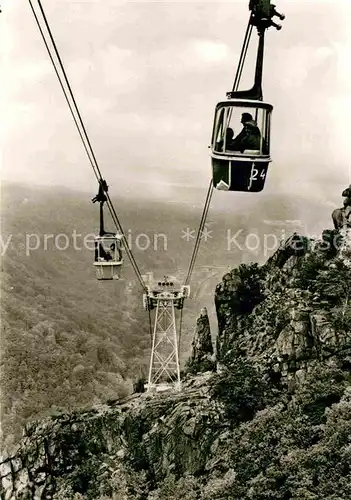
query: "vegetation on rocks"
241, 390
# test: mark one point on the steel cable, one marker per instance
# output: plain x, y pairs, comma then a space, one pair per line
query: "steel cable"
81, 128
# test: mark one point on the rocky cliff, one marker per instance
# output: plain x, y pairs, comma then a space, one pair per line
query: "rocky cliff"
271, 420
291, 314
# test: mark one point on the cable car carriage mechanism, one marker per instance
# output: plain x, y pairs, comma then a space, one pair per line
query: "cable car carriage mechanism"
240, 159
108, 254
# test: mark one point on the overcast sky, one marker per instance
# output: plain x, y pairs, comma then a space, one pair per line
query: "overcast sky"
147, 76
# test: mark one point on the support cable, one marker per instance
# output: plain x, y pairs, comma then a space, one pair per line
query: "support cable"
180, 328
243, 55
237, 79
96, 166
199, 232
69, 96
150, 325
81, 128
241, 62
62, 86
126, 246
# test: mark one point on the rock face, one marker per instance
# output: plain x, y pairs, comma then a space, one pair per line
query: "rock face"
292, 307
273, 422
342, 216
202, 357
74, 454
345, 246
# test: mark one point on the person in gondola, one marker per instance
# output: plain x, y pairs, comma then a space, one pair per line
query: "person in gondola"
229, 134
229, 139
101, 253
119, 250
249, 137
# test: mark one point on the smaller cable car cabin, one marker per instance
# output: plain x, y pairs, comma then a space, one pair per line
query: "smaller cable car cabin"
108, 246
108, 257
240, 145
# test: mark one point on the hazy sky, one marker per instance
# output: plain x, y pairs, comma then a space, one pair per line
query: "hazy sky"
147, 76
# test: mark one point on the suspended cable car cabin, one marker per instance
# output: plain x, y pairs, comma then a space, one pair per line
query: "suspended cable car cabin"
108, 257
240, 160
108, 246
240, 144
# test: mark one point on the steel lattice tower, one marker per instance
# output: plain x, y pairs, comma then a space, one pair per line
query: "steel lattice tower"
164, 370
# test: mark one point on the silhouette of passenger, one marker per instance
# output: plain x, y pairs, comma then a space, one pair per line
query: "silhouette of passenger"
105, 254
249, 137
229, 139
100, 253
229, 134
119, 251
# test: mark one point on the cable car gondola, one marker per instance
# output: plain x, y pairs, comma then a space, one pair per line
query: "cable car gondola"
240, 161
108, 257
108, 252
240, 145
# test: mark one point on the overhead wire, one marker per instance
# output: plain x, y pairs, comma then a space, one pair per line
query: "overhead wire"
61, 84
237, 79
180, 328
69, 96
150, 324
71, 101
196, 248
200, 232
242, 57
69, 88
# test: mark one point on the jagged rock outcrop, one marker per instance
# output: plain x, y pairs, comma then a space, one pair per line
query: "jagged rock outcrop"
74, 453
345, 246
342, 216
202, 356
296, 308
